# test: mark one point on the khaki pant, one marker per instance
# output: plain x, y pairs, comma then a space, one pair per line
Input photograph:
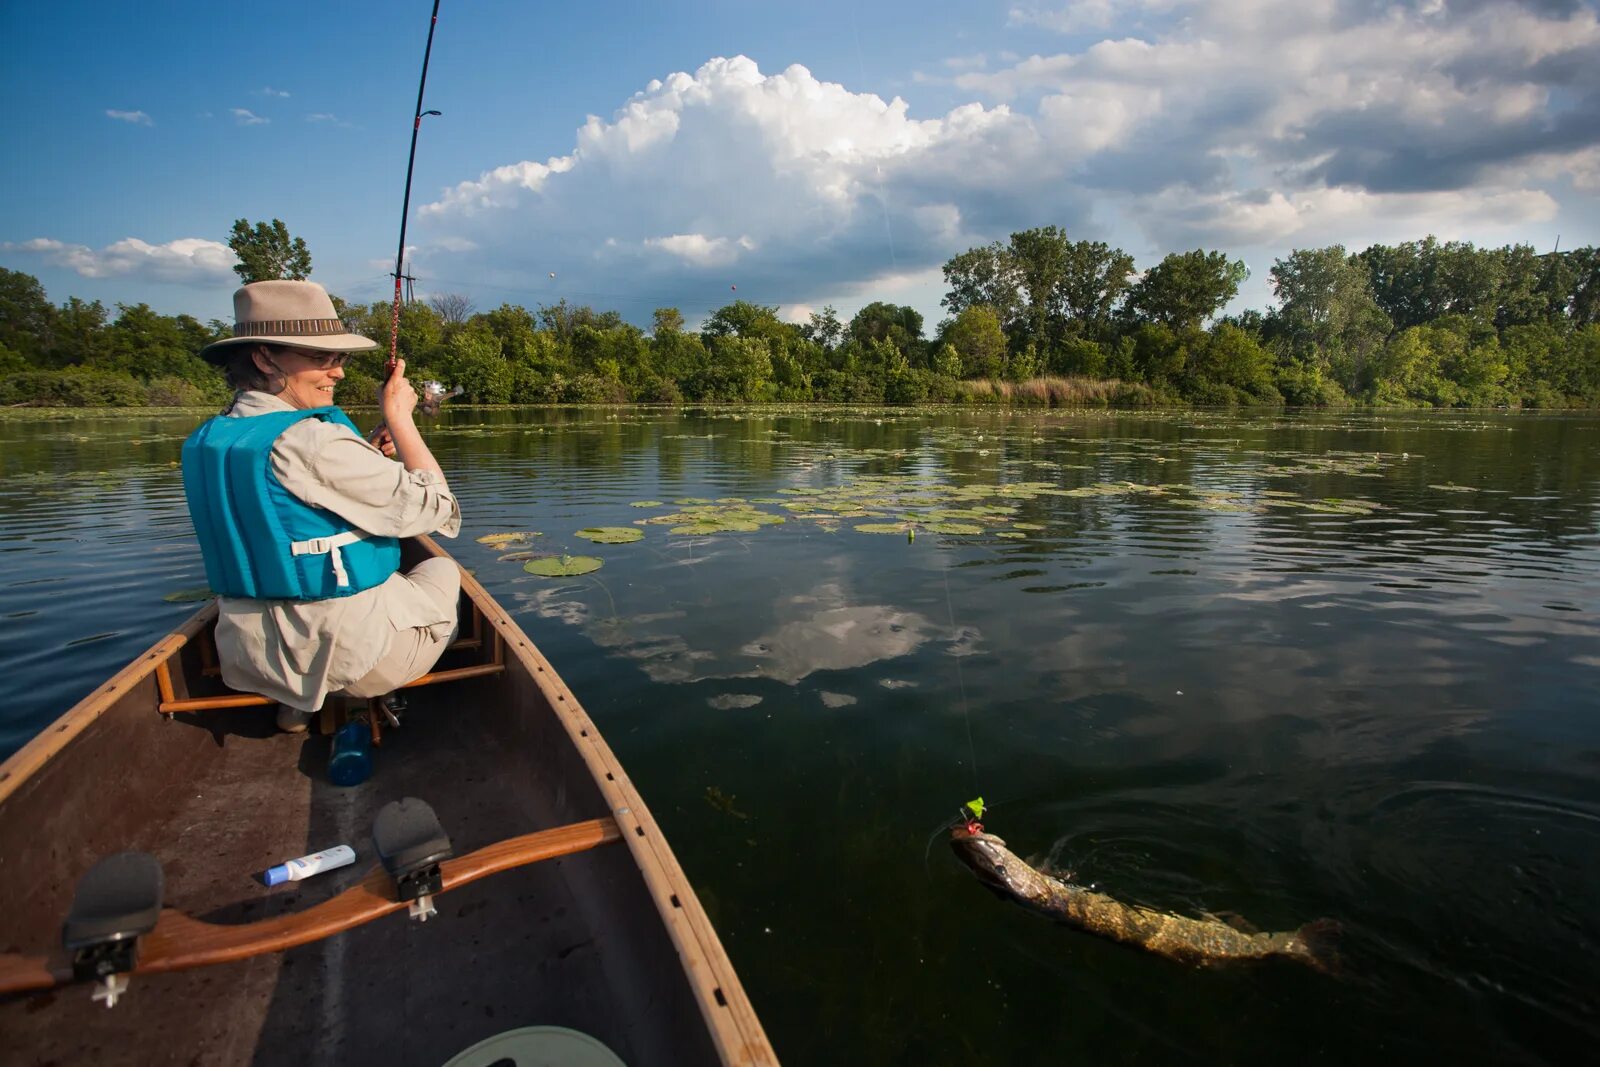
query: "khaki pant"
414, 651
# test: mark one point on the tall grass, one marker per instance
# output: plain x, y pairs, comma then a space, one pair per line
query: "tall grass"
1061, 393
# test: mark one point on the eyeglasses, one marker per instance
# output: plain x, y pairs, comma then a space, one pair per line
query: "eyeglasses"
322, 360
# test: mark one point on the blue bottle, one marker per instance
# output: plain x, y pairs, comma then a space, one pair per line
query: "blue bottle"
350, 761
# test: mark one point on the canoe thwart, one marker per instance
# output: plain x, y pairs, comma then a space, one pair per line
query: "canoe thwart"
180, 942
411, 844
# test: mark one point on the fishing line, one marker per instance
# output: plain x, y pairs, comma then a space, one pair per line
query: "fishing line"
883, 203
961, 684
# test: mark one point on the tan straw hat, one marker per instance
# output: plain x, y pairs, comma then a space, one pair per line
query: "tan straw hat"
286, 313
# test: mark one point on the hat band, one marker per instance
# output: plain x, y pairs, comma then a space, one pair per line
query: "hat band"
289, 328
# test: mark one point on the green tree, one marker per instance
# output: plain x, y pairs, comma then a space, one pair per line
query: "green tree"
266, 252
824, 328
26, 315
1231, 358
987, 276
1094, 279
976, 336
474, 360
79, 336
1328, 314
665, 321
879, 321
1039, 259
1185, 289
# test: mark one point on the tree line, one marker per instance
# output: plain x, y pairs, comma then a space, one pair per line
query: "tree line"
1038, 318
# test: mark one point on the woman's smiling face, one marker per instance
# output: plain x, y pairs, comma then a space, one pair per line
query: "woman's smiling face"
308, 378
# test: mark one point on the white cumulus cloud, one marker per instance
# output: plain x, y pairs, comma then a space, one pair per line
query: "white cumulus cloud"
1159, 125
137, 118
700, 250
188, 260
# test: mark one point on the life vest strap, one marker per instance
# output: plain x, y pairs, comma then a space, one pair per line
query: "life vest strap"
329, 546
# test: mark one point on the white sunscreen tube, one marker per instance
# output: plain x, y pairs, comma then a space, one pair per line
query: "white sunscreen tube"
316, 863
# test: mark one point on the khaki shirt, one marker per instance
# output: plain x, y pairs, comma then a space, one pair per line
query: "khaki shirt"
298, 651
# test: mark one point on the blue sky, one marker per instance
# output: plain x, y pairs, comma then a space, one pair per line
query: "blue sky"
654, 154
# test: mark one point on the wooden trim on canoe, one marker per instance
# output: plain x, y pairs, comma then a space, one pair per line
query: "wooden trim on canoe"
726, 1008
180, 942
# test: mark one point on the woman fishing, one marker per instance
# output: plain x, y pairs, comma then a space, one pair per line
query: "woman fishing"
299, 517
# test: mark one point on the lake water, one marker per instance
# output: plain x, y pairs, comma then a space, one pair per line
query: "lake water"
1342, 666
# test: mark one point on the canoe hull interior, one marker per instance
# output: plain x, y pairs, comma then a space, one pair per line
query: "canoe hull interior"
218, 796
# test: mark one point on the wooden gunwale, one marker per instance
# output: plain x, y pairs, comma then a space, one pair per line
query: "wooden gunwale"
735, 1028
730, 1019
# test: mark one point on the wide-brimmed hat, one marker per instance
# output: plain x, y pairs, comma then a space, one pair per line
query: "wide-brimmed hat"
286, 313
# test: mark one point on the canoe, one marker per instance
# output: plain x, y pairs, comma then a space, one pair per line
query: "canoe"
559, 905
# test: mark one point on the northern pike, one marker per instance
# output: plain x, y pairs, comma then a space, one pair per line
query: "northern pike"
1198, 942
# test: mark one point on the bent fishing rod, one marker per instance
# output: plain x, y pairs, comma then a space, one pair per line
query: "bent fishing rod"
405, 207
433, 393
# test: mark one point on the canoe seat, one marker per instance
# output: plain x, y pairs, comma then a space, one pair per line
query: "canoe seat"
171, 704
537, 1046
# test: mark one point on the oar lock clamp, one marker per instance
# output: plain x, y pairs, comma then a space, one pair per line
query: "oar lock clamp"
411, 844
115, 904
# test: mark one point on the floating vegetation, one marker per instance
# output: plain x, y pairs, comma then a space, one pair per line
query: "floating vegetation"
712, 526
1452, 487
896, 683
955, 528
610, 535
512, 537
723, 802
730, 701
908, 528
189, 596
519, 557
645, 504
1012, 535
563, 566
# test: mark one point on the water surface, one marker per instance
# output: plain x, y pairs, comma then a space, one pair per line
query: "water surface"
1341, 666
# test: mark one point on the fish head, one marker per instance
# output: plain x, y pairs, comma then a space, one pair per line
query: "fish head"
989, 859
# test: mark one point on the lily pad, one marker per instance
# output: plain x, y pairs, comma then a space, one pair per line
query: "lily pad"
611, 535
511, 537
521, 557
645, 504
189, 596
729, 701
954, 528
563, 566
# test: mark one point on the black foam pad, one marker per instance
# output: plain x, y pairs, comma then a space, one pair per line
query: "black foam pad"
120, 898
408, 837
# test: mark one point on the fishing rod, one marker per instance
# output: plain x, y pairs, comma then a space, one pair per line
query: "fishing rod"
405, 207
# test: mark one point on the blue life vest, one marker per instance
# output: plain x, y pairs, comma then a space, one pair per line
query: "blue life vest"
258, 539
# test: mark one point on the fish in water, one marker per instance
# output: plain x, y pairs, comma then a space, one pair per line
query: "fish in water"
1198, 942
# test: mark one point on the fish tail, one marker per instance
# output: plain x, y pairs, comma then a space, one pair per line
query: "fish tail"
1317, 943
